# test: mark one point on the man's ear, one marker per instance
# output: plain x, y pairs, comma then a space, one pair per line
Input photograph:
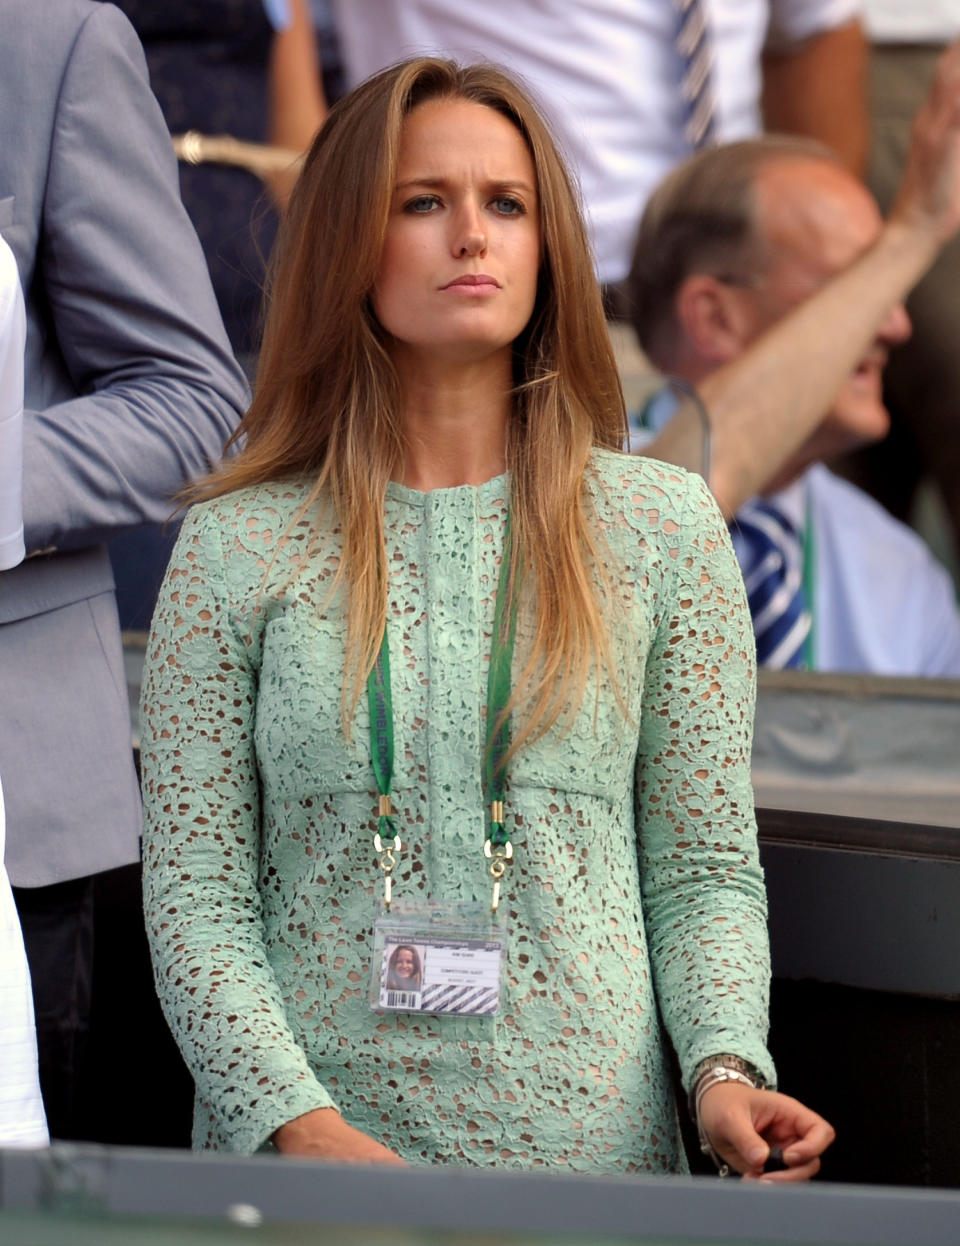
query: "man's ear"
713, 319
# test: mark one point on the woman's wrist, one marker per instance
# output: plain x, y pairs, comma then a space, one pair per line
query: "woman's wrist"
305, 1127
718, 1070
324, 1134
723, 1066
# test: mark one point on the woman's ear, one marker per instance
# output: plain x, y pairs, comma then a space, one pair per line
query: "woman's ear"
713, 319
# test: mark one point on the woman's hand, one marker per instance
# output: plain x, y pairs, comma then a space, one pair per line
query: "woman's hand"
324, 1134
742, 1125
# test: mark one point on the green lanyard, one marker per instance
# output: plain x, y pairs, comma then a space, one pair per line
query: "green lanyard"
497, 849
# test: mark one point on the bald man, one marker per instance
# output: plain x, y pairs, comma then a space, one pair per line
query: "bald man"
730, 243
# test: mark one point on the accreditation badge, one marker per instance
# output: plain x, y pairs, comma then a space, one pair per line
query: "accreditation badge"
446, 959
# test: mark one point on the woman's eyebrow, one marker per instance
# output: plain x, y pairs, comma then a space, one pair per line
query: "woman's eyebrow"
420, 181
494, 183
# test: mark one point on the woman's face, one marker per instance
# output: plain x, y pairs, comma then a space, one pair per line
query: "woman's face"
404, 963
458, 274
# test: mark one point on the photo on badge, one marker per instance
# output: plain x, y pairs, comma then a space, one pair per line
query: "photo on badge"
401, 976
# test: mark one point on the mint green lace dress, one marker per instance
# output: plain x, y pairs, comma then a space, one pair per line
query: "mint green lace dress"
635, 876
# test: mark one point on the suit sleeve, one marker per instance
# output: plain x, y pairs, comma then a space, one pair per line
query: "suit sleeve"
130, 308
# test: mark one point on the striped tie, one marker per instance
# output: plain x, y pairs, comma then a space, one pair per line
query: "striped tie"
771, 557
695, 50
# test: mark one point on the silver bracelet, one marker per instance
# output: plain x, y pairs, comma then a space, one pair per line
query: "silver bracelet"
712, 1072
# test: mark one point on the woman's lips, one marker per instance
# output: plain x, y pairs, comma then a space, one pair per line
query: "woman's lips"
473, 283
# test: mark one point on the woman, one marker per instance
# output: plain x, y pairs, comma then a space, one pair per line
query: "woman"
435, 356
403, 969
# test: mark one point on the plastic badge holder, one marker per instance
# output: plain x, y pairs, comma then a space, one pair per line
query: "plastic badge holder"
438, 958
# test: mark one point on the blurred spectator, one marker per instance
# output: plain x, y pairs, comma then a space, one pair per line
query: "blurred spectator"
297, 106
728, 244
244, 74
130, 388
246, 70
328, 45
923, 380
609, 77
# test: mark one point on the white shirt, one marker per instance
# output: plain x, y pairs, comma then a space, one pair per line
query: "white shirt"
920, 21
12, 338
606, 74
22, 1122
882, 604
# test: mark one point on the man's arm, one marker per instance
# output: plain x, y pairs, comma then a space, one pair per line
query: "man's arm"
765, 404
298, 107
817, 88
129, 306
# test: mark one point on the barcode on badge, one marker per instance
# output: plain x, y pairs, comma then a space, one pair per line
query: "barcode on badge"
403, 999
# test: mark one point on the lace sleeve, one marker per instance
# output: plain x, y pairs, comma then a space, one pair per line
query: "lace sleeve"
201, 852
703, 893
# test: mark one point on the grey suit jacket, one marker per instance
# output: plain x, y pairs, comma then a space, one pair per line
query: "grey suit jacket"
130, 390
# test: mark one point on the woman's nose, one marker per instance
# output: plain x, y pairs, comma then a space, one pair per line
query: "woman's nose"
471, 236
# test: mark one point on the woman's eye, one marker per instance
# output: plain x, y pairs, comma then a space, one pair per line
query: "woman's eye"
422, 203
506, 205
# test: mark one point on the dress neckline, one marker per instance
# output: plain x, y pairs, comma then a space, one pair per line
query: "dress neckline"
496, 487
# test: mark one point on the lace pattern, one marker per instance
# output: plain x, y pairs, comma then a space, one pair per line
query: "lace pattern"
635, 873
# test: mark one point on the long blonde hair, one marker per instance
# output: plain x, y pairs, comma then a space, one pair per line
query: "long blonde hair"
327, 398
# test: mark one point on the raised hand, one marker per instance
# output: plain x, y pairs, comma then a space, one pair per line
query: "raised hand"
929, 195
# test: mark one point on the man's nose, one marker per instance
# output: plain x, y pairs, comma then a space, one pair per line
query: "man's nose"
895, 326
